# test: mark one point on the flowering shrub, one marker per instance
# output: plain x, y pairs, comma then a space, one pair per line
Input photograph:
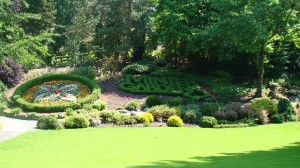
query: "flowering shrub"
11, 72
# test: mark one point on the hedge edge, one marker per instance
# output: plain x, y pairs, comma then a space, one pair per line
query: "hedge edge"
34, 107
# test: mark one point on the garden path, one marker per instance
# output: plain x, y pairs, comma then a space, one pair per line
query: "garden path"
14, 127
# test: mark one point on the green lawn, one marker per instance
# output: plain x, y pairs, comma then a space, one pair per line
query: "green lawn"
262, 146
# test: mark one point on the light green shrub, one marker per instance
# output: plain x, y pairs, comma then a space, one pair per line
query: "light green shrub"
175, 121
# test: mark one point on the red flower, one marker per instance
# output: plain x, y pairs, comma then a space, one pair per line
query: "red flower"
57, 91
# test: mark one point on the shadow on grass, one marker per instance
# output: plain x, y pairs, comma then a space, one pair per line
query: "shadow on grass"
288, 157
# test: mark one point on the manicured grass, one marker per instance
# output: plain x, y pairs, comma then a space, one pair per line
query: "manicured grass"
262, 146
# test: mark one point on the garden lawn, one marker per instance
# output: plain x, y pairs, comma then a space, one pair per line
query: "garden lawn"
263, 146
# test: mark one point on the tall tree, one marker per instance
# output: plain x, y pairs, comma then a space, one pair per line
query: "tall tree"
30, 50
251, 26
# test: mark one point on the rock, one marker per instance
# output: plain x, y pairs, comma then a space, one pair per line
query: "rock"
95, 122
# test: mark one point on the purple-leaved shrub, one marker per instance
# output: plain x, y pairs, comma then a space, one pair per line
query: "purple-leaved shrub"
11, 72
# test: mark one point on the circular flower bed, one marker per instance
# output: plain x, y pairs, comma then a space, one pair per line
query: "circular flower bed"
55, 93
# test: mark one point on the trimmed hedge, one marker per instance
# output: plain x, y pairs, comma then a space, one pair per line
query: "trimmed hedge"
172, 86
30, 107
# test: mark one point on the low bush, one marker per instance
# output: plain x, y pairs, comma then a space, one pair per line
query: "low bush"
153, 100
108, 116
209, 109
265, 104
178, 101
241, 125
15, 111
88, 72
146, 117
162, 112
175, 121
138, 68
132, 105
11, 72
48, 122
99, 105
191, 113
208, 122
121, 119
28, 107
277, 118
77, 121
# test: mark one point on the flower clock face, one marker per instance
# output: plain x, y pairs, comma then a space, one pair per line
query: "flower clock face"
58, 91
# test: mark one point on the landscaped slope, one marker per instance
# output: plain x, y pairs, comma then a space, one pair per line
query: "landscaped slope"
262, 146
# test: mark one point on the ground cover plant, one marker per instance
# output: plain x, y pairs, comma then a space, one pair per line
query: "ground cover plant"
273, 146
55, 93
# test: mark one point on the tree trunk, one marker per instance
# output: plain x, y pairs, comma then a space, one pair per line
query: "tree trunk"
261, 70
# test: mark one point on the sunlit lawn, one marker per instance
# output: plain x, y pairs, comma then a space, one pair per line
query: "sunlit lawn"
262, 146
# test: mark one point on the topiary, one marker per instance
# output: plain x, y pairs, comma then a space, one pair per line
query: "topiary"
175, 121
264, 104
48, 122
132, 105
153, 100
146, 117
162, 112
208, 122
77, 121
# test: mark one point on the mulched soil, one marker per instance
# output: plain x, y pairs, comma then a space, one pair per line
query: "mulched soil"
116, 98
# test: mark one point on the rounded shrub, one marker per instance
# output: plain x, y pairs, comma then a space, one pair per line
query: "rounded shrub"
99, 105
208, 122
285, 106
153, 100
175, 121
190, 117
277, 118
132, 105
264, 104
36, 107
162, 112
146, 117
138, 68
48, 122
77, 121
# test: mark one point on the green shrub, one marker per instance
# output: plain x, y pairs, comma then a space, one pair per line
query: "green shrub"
77, 121
209, 109
175, 121
138, 68
162, 112
87, 107
121, 119
178, 101
132, 105
265, 104
190, 117
191, 113
15, 111
45, 108
88, 72
99, 105
108, 116
48, 122
286, 107
153, 100
146, 117
208, 122
3, 98
277, 118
